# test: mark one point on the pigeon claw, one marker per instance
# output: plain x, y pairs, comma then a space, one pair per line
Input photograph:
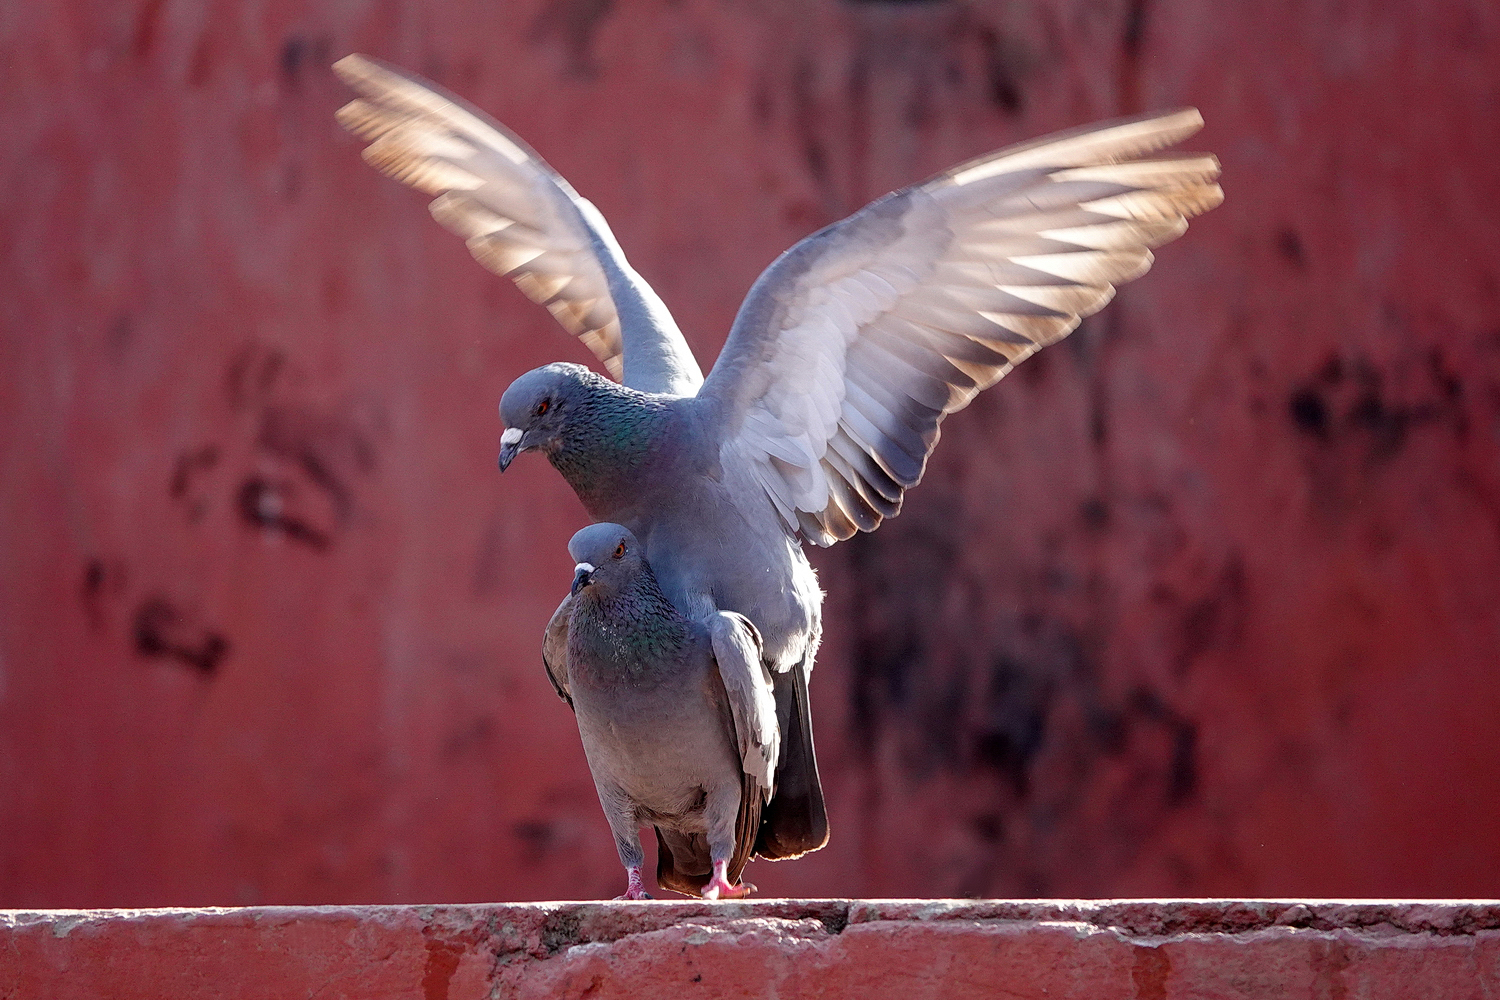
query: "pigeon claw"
718, 887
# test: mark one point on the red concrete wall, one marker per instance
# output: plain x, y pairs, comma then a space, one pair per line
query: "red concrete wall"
1205, 600
786, 949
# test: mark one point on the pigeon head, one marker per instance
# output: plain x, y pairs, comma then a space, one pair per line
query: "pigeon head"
536, 407
598, 433
608, 558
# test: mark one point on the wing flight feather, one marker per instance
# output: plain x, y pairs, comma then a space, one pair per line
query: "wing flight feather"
855, 344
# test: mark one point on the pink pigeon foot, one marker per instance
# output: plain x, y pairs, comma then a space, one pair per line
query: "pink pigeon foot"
719, 888
634, 889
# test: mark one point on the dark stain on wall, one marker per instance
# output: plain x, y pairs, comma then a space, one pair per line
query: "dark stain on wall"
299, 53
806, 118
1148, 709
1354, 403
1134, 33
264, 504
311, 456
1215, 620
1009, 734
324, 449
1150, 972
1289, 246
1003, 69
102, 582
994, 677
147, 25
1309, 412
1132, 43
573, 24
536, 837
163, 631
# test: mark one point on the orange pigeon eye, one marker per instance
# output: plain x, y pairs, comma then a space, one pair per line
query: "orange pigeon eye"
620, 550
541, 407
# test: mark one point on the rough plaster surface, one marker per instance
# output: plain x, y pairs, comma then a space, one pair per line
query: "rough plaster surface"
787, 949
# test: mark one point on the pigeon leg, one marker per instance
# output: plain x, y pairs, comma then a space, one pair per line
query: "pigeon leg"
634, 888
622, 819
719, 888
723, 807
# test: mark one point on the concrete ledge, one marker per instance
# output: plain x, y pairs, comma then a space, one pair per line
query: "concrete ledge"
908, 949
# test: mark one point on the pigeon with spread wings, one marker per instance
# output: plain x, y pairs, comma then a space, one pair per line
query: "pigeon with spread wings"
845, 357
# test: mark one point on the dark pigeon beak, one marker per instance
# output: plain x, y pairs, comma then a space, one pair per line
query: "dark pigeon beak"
510, 447
581, 577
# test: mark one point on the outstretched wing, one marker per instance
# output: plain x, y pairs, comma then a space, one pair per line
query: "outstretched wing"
736, 646
520, 218
852, 347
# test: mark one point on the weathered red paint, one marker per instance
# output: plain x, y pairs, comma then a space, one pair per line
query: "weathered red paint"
1205, 600
788, 949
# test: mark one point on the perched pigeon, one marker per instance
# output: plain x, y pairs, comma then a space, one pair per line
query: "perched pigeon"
845, 356
677, 718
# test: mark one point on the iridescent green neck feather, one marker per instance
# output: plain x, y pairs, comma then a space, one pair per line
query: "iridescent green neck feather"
607, 441
632, 630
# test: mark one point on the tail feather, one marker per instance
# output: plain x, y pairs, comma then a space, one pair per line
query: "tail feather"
795, 821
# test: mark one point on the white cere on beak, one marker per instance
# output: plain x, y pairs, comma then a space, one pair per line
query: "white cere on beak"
585, 567
511, 435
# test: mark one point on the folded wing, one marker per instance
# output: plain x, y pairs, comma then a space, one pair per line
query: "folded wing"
736, 646
555, 650
852, 347
520, 218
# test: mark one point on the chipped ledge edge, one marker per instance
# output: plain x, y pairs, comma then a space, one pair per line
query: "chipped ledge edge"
565, 923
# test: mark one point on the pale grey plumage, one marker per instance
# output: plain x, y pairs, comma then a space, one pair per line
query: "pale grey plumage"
520, 218
853, 346
677, 717
842, 363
